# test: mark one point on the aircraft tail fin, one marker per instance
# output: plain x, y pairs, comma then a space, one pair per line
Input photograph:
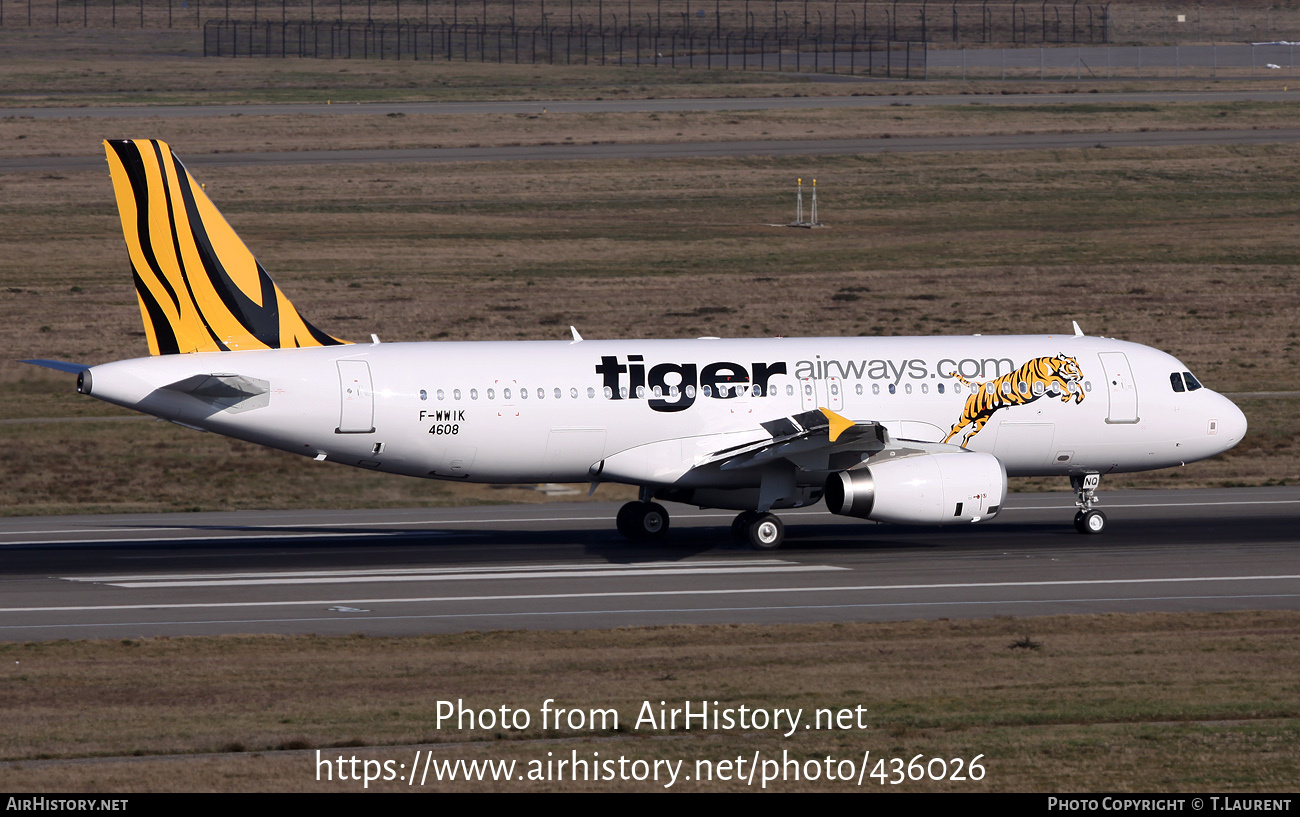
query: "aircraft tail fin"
200, 289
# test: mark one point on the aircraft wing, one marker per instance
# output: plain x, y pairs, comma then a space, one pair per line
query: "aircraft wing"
818, 440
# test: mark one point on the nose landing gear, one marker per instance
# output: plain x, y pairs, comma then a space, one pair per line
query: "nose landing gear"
1087, 520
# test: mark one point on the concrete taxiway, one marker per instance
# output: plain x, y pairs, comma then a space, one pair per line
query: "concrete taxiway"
688, 150
561, 566
879, 98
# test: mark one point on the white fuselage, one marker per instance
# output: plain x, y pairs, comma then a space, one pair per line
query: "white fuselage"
645, 411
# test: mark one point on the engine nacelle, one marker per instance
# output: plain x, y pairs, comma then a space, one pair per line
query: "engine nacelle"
925, 489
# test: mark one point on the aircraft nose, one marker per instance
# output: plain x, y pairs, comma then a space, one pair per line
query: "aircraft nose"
1228, 423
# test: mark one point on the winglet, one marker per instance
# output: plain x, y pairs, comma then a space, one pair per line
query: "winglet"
59, 365
1078, 333
838, 424
576, 337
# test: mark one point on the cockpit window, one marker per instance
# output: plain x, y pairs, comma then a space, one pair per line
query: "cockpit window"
1176, 380
1192, 383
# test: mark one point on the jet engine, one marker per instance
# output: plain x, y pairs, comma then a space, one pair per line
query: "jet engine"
922, 489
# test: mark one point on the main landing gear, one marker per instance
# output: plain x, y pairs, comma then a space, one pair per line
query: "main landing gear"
757, 530
642, 521
1087, 520
646, 521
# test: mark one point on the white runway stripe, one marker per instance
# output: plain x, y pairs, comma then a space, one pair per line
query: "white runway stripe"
642, 593
369, 576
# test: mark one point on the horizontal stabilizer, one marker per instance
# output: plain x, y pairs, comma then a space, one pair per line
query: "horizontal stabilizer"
231, 392
60, 365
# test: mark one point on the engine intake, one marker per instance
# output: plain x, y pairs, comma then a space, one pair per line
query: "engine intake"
925, 489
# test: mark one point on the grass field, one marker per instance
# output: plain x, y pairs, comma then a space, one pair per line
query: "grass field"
1169, 703
1190, 250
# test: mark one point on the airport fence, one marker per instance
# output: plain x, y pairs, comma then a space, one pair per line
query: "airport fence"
944, 23
562, 46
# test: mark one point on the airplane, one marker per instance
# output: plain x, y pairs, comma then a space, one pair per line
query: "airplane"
911, 430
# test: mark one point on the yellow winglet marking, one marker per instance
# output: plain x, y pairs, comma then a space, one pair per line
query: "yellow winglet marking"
838, 424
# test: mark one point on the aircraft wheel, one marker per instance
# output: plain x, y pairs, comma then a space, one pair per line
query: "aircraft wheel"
740, 528
765, 532
624, 519
652, 522
641, 521
1090, 522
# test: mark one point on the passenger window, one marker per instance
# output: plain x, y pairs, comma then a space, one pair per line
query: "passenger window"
892, 389
1024, 388
591, 392
707, 391
758, 391
541, 394
956, 388
690, 392
875, 388
908, 388
1192, 383
573, 394
523, 394
858, 389
473, 394
1006, 388
672, 391
925, 388
492, 394
1039, 388
441, 394
1176, 380
622, 392
657, 392
609, 393
456, 394
640, 392
1087, 385
940, 388
789, 391
505, 393
424, 395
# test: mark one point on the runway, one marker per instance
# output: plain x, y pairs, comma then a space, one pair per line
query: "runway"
561, 566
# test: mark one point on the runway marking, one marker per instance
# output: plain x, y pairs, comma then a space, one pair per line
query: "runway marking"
643, 593
448, 570
540, 613
454, 574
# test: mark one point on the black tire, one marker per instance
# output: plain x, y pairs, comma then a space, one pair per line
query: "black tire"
740, 528
624, 520
1090, 523
766, 531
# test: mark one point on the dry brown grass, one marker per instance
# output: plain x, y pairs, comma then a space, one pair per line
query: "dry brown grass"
1138, 703
23, 136
1188, 250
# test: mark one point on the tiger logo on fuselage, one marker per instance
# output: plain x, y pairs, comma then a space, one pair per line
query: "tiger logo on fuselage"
1057, 376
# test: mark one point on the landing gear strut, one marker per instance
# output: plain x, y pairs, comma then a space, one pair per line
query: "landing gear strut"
760, 531
642, 521
1087, 520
